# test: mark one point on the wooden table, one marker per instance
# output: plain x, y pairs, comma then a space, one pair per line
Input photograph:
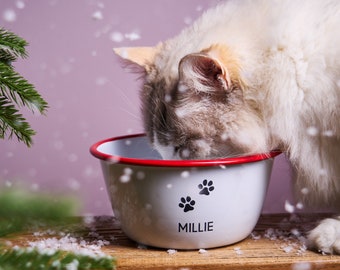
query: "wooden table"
276, 243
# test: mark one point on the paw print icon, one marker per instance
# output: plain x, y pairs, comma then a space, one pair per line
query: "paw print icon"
206, 187
187, 204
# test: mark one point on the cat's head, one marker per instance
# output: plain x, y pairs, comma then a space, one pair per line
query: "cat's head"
194, 106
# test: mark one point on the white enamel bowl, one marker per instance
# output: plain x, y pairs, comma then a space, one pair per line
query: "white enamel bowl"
182, 204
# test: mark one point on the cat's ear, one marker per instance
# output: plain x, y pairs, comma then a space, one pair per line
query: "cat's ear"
203, 73
141, 56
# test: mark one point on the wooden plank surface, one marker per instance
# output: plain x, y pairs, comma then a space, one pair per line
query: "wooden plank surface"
276, 243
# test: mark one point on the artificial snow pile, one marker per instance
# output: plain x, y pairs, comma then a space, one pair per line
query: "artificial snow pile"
56, 250
171, 251
238, 251
291, 241
71, 244
51, 242
202, 251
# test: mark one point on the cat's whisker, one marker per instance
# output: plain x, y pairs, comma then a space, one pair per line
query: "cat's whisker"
129, 104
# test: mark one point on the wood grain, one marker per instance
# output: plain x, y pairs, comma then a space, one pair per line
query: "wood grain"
276, 243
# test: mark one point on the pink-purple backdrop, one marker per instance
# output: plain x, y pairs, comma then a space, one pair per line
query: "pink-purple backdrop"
91, 97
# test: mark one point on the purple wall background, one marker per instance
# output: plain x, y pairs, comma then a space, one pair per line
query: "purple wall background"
91, 97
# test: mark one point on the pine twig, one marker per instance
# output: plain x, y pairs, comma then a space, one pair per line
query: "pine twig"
15, 88
13, 123
20, 209
11, 46
16, 91
32, 259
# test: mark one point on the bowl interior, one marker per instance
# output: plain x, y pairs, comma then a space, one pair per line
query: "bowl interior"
129, 147
136, 150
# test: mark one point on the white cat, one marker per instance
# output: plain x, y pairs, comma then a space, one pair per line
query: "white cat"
251, 76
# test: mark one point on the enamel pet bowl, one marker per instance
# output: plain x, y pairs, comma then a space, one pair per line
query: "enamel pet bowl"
182, 204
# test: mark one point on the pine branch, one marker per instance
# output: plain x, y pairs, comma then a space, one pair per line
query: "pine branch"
13, 123
20, 209
32, 259
11, 46
14, 87
15, 91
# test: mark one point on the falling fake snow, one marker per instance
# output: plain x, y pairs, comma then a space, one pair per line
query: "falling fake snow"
97, 15
9, 15
289, 207
167, 98
185, 153
73, 184
126, 176
128, 142
132, 36
101, 81
299, 205
113, 159
185, 174
128, 171
312, 131
328, 133
182, 88
20, 4
169, 186
322, 172
118, 36
304, 191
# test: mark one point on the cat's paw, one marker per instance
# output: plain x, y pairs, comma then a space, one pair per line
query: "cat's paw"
326, 236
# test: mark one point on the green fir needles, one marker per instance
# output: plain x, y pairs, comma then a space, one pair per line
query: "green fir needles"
21, 209
24, 211
16, 91
32, 259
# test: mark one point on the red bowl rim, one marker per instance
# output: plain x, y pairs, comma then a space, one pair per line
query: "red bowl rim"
175, 163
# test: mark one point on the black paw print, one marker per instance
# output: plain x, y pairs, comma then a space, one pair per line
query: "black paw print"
187, 203
206, 187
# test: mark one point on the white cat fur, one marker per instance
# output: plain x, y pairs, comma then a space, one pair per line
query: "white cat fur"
288, 52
